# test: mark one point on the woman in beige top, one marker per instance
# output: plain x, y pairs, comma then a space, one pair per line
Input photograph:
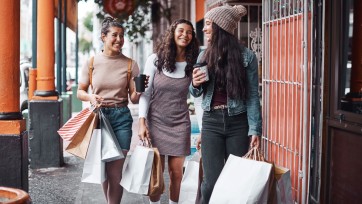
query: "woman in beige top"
111, 85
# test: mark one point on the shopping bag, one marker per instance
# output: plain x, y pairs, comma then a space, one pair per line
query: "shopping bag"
94, 167
157, 184
190, 181
201, 174
80, 142
110, 147
78, 124
281, 192
242, 181
137, 170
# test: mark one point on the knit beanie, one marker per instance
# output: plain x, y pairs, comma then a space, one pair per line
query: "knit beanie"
226, 17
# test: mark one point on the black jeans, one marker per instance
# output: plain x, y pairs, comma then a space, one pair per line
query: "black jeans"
222, 135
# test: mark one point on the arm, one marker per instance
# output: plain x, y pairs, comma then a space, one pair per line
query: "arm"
195, 87
144, 101
83, 95
253, 102
133, 95
83, 85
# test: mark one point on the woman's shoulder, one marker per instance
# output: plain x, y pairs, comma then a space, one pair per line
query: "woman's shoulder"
152, 57
248, 55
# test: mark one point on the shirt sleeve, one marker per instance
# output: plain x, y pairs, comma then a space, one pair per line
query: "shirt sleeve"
150, 70
84, 74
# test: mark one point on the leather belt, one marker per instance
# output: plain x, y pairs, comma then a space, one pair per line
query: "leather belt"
104, 105
219, 107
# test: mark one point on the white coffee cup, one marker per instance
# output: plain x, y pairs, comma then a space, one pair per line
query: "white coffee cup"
203, 68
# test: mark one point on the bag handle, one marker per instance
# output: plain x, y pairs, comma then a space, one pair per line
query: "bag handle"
254, 154
146, 142
90, 72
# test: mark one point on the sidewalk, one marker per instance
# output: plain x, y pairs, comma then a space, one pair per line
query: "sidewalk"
63, 186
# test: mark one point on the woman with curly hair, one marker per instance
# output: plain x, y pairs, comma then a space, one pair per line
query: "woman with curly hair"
163, 105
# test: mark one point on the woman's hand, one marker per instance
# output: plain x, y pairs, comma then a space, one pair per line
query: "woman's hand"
198, 142
143, 132
95, 99
146, 81
255, 141
198, 77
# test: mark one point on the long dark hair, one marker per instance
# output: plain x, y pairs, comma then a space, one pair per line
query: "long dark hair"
166, 50
225, 61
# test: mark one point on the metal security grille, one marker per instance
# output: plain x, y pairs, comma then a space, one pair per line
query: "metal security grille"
286, 87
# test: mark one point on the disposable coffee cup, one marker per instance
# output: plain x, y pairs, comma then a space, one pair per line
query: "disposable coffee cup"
140, 82
203, 68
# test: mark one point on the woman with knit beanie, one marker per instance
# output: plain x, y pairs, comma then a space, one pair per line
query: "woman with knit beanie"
232, 117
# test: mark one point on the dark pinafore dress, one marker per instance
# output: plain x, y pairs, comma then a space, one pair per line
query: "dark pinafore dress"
168, 117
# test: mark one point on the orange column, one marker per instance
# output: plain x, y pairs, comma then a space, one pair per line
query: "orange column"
10, 116
356, 73
45, 89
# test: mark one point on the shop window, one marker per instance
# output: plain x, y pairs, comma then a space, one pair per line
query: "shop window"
350, 77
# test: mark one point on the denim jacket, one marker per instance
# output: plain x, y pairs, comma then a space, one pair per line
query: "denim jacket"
236, 106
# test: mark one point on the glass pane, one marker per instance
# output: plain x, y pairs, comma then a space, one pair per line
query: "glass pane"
351, 74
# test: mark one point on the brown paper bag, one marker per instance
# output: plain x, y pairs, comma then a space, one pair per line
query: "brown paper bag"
281, 188
157, 184
80, 142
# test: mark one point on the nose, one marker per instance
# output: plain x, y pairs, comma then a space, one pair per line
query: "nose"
118, 38
204, 29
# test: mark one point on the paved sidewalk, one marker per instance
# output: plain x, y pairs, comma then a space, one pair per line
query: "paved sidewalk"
63, 186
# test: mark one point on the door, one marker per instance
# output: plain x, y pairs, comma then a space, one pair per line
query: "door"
344, 121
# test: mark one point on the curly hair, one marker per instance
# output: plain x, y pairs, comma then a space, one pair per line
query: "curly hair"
166, 50
109, 22
225, 61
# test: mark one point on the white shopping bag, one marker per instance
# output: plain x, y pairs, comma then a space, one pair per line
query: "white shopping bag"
94, 167
190, 181
137, 170
110, 147
242, 181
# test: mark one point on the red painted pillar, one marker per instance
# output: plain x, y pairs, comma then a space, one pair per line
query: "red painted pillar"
45, 88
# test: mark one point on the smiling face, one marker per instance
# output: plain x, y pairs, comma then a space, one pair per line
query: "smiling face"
183, 35
208, 30
113, 41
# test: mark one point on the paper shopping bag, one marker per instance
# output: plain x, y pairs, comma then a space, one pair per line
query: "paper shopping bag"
110, 147
80, 142
281, 192
157, 184
201, 174
94, 167
242, 181
137, 170
190, 181
77, 125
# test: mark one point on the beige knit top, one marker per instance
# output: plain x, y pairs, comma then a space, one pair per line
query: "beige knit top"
109, 77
